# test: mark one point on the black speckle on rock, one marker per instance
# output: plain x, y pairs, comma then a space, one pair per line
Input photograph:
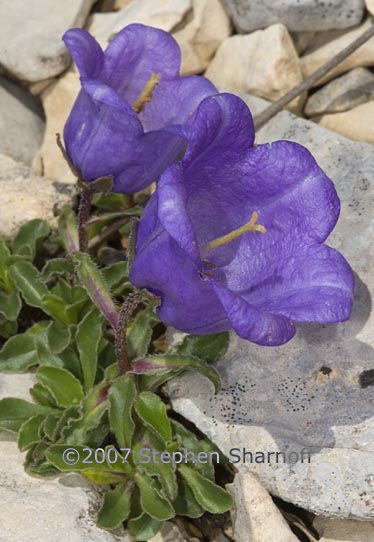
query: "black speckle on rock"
366, 378
325, 370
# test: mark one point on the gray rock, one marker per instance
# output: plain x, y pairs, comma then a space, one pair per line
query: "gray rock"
21, 122
315, 392
24, 196
54, 510
30, 35
346, 92
334, 530
297, 15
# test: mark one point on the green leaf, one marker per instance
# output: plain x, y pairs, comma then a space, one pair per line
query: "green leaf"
41, 395
10, 305
28, 236
144, 527
34, 292
94, 283
63, 386
163, 470
18, 354
207, 347
152, 411
30, 432
88, 428
88, 336
14, 412
58, 337
115, 274
185, 504
152, 365
56, 267
121, 396
209, 495
68, 230
7, 329
103, 478
36, 463
82, 458
4, 255
140, 331
116, 507
152, 502
189, 441
112, 202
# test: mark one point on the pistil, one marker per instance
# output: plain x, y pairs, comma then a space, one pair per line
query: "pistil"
249, 226
146, 94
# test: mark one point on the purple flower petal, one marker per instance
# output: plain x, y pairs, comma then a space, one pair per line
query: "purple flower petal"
134, 54
175, 102
258, 326
86, 52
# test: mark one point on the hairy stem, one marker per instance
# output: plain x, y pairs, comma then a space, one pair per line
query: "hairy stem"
83, 217
128, 307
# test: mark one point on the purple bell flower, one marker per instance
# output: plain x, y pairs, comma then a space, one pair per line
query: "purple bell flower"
131, 117
233, 236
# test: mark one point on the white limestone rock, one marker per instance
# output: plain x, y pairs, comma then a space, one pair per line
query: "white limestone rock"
31, 48
346, 92
332, 530
25, 196
21, 122
328, 44
164, 14
255, 517
297, 15
315, 392
57, 100
264, 63
200, 37
357, 124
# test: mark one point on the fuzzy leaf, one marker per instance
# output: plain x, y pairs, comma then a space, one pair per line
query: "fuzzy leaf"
18, 354
116, 507
28, 236
88, 336
209, 495
68, 230
10, 305
56, 267
152, 365
121, 396
58, 337
144, 527
152, 502
63, 386
14, 412
207, 347
152, 411
185, 504
140, 332
94, 283
30, 432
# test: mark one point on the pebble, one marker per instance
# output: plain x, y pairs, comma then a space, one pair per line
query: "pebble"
370, 6
264, 63
255, 517
332, 530
164, 14
25, 196
357, 124
328, 44
57, 101
31, 48
299, 15
200, 37
21, 122
341, 94
316, 391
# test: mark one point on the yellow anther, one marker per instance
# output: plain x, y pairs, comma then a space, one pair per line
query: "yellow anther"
147, 93
249, 226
